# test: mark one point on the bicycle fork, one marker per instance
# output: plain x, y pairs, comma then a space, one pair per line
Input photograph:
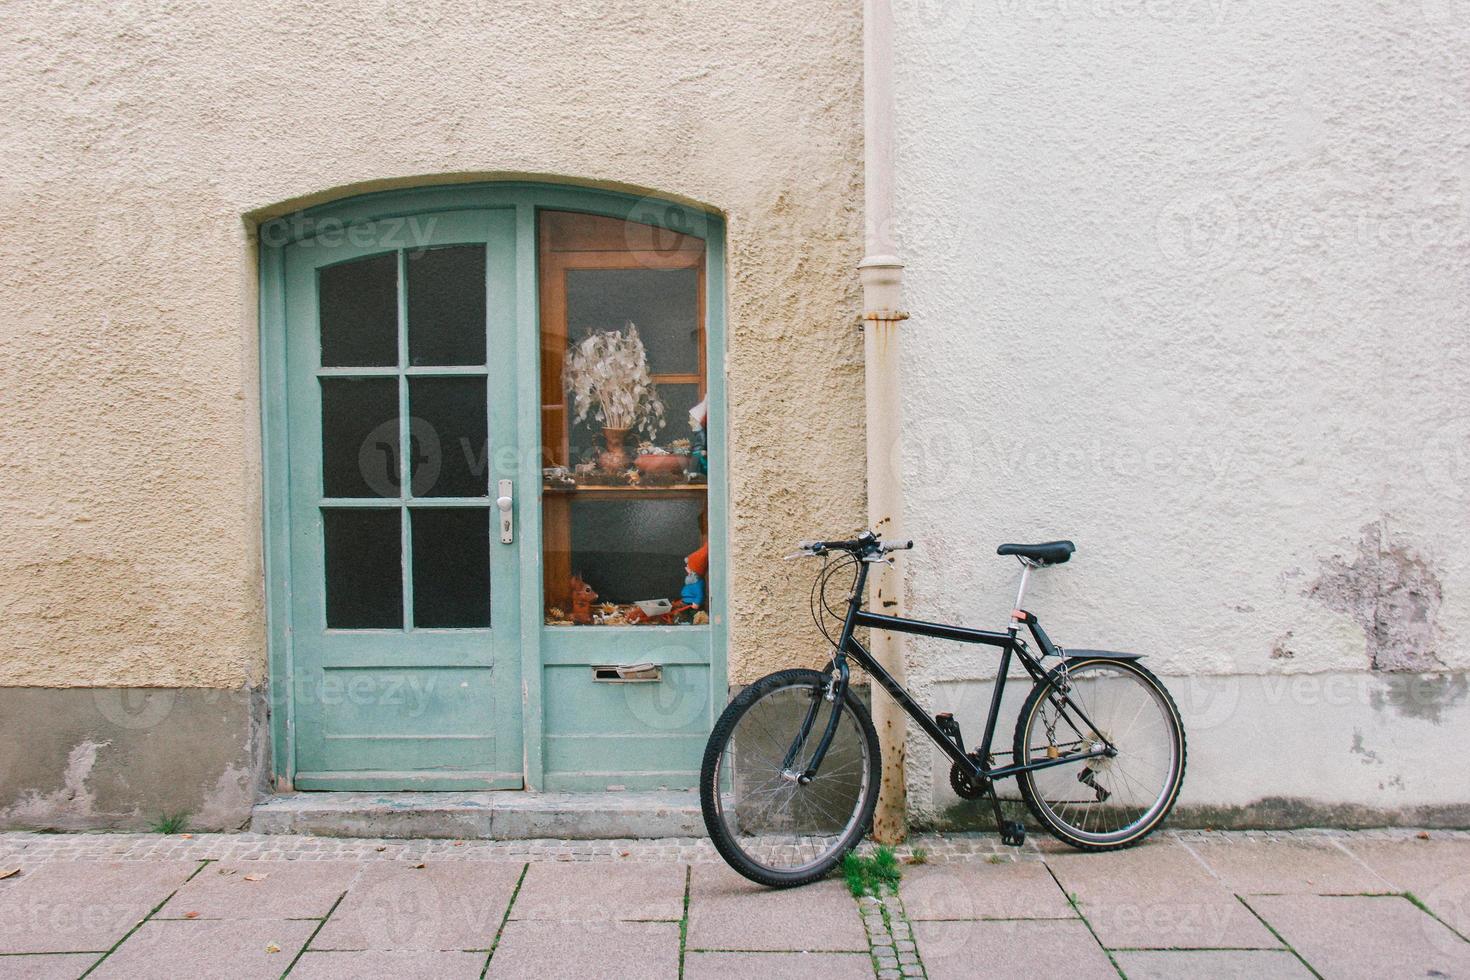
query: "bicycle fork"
834, 691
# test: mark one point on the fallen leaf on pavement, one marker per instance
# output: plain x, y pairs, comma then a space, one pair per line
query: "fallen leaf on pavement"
8, 873
256, 877
1422, 835
191, 915
418, 866
229, 871
273, 948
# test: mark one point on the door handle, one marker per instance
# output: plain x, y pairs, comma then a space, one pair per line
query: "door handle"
507, 514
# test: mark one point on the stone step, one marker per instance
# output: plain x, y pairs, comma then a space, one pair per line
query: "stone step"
505, 815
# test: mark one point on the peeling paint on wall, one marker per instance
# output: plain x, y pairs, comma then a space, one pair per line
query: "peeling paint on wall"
72, 802
1422, 697
1393, 593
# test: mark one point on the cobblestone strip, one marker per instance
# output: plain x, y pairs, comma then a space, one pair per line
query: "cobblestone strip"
891, 938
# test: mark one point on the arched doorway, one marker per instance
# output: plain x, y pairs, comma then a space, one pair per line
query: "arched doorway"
440, 482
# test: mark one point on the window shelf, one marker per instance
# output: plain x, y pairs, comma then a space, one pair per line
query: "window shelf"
595, 490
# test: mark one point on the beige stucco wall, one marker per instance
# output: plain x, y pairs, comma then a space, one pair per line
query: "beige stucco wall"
140, 142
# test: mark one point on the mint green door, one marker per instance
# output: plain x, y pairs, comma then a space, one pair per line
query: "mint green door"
405, 593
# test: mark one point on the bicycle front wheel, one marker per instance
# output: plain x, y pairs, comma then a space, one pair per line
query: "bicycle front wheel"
765, 821
1103, 802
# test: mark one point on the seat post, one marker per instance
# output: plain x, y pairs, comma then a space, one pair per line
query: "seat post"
1026, 567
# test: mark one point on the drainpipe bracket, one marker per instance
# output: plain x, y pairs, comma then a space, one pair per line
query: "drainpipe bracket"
886, 316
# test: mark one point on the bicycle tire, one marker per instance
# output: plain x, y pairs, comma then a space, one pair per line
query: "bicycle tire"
710, 775
1065, 832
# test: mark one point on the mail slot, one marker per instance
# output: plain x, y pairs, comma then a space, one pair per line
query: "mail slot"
628, 673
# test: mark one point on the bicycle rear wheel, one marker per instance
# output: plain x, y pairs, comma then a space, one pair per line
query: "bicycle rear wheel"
765, 822
1104, 802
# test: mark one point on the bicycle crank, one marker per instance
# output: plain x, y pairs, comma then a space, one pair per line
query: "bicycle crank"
968, 786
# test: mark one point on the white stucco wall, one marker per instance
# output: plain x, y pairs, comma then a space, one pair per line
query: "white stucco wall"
1189, 283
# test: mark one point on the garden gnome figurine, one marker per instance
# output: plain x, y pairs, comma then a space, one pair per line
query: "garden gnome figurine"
696, 568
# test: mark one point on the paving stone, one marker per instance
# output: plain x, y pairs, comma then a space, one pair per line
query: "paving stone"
578, 950
262, 890
1436, 871
729, 912
1012, 948
1290, 867
1217, 964
381, 965
46, 966
601, 891
74, 906
215, 950
1157, 895
1366, 937
777, 966
1015, 890
445, 905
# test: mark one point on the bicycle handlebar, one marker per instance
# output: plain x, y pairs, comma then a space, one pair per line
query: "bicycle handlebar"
864, 544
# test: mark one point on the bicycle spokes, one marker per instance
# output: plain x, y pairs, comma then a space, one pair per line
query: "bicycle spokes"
770, 807
1129, 753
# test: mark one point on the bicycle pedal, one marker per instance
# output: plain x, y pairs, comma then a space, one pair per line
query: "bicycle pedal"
1012, 833
945, 722
1089, 778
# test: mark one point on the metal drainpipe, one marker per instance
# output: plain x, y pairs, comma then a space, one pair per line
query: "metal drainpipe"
882, 279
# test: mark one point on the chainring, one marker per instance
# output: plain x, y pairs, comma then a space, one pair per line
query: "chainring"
965, 785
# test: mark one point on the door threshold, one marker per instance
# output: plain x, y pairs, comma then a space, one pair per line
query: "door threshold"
482, 815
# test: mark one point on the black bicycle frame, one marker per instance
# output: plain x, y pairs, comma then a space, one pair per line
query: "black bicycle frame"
1010, 645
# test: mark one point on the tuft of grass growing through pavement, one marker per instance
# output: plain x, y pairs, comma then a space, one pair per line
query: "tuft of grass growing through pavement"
868, 875
170, 823
920, 856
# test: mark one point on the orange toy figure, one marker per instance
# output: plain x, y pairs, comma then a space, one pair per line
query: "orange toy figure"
582, 599
696, 568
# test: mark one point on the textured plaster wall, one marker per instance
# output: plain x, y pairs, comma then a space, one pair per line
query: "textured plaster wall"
139, 136
1189, 284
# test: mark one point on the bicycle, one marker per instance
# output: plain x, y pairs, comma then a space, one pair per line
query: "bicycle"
787, 793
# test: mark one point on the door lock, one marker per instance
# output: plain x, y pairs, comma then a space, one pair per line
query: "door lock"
507, 515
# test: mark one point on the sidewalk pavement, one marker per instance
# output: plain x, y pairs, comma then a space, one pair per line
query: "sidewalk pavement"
1186, 904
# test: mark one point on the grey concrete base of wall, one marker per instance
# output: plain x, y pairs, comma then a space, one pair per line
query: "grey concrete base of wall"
125, 758
1278, 813
1351, 750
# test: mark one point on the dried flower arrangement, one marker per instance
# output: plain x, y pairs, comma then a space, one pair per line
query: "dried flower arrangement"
607, 376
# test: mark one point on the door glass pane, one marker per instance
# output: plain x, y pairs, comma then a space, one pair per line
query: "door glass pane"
360, 437
450, 439
624, 518
364, 581
664, 303
451, 566
446, 305
358, 311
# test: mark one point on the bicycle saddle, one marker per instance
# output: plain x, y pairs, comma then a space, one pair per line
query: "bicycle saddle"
1047, 553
